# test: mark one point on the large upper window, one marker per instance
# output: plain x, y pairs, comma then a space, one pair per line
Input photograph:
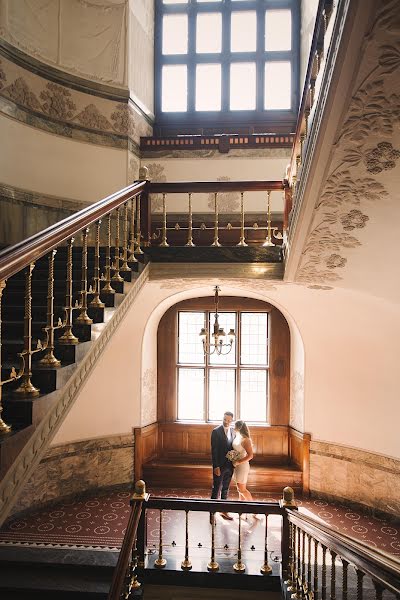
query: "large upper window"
226, 61
238, 381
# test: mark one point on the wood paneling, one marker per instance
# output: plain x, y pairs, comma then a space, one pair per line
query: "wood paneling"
166, 366
146, 447
279, 379
299, 453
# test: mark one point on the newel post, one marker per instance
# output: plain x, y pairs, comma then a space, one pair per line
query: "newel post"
287, 502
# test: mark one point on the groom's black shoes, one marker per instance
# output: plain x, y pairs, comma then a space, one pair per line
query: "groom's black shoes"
226, 516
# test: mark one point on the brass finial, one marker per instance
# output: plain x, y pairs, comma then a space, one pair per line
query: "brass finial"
143, 173
288, 497
140, 489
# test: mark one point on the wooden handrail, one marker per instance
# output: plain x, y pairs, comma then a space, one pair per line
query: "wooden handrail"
198, 505
181, 187
124, 556
304, 97
382, 567
17, 257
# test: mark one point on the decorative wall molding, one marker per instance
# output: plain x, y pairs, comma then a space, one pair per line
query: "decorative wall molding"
30, 198
53, 107
25, 464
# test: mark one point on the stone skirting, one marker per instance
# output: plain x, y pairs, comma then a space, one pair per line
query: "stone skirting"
79, 467
355, 476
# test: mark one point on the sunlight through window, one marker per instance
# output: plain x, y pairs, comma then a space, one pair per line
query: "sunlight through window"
208, 87
277, 85
174, 88
278, 30
243, 86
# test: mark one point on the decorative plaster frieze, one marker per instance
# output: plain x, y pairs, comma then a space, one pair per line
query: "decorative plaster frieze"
35, 449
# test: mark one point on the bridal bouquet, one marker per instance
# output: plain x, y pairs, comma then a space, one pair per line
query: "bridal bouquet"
233, 455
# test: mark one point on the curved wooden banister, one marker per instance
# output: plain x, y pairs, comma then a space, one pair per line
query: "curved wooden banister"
380, 566
125, 555
17, 257
181, 187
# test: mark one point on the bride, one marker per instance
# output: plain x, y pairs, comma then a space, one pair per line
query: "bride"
242, 443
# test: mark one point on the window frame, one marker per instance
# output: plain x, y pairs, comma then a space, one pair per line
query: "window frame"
237, 366
258, 120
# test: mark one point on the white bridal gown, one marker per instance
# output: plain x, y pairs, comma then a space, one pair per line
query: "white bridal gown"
241, 471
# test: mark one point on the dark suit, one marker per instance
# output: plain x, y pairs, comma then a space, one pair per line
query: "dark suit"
220, 445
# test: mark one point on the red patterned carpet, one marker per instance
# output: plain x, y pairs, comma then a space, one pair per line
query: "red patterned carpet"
99, 521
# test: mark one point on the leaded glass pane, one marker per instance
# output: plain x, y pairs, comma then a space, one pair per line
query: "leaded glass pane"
254, 339
174, 88
221, 393
175, 34
190, 394
190, 347
253, 395
278, 87
227, 321
209, 33
278, 30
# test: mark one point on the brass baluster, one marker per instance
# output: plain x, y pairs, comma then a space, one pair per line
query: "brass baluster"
68, 338
290, 583
4, 428
323, 587
27, 389
315, 570
239, 567
309, 586
215, 242
125, 266
83, 317
116, 276
266, 569
296, 560
333, 575
268, 241
360, 576
96, 302
303, 562
164, 243
186, 564
160, 562
138, 228
107, 288
132, 258
190, 227
49, 360
345, 566
242, 241
212, 565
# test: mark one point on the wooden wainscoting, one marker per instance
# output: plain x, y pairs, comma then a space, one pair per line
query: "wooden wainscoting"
179, 455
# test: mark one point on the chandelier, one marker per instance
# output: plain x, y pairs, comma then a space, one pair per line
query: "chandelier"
217, 345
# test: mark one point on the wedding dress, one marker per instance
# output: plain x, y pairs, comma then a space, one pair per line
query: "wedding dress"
242, 470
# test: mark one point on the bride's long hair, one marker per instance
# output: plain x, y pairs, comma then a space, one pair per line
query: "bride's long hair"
242, 428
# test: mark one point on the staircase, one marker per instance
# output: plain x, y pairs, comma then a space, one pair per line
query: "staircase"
23, 414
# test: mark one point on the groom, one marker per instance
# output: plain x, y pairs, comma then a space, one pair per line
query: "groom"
221, 442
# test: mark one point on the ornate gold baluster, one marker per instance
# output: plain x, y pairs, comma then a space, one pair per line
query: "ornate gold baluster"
309, 586
26, 389
116, 276
323, 588
268, 241
239, 567
4, 428
190, 227
49, 360
107, 288
83, 317
242, 241
160, 562
132, 258
212, 565
303, 563
68, 338
290, 583
266, 569
360, 576
164, 243
215, 242
345, 566
186, 564
296, 560
315, 570
138, 228
125, 266
333, 575
96, 302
